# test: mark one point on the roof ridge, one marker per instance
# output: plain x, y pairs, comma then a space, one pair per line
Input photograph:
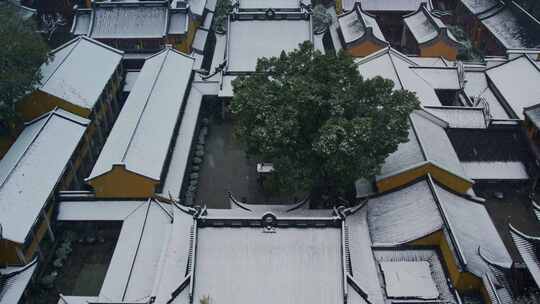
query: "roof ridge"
144, 108
137, 249
34, 137
446, 221
76, 41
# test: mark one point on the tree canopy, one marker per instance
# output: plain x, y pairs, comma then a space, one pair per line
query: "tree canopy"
318, 121
22, 53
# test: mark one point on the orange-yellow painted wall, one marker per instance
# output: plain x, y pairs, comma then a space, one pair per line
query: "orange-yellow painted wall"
444, 177
8, 253
8, 249
339, 6
463, 281
439, 48
40, 102
121, 183
364, 48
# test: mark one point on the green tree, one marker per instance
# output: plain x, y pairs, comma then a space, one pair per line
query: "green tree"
22, 53
321, 124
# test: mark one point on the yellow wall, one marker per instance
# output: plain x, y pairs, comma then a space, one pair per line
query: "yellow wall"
462, 281
444, 177
8, 249
363, 49
8, 253
40, 102
185, 45
439, 48
122, 183
339, 6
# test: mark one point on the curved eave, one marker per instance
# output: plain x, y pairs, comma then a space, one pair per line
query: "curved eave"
536, 209
442, 36
527, 247
367, 36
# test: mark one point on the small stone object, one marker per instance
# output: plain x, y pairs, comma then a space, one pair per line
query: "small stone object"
205, 121
197, 160
58, 263
204, 131
199, 147
194, 175
498, 195
48, 280
192, 188
90, 239
195, 169
199, 154
193, 182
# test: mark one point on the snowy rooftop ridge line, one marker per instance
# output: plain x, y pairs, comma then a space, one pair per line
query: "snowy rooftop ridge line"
30, 171
426, 27
62, 78
154, 105
357, 25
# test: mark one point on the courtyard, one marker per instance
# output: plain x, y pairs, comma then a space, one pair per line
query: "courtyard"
226, 167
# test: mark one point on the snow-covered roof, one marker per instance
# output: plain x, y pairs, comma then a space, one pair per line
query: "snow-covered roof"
141, 136
81, 22
428, 143
440, 62
17, 278
404, 215
252, 39
151, 237
31, 169
512, 26
357, 25
423, 267
130, 19
496, 170
178, 22
391, 64
479, 6
425, 27
179, 255
129, 80
96, 210
472, 228
386, 5
409, 280
517, 82
440, 78
180, 155
476, 85
199, 42
292, 265
460, 117
196, 7
529, 250
430, 207
67, 75
274, 4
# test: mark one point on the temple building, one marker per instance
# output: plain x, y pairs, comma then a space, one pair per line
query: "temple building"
128, 166
426, 34
360, 33
497, 27
44, 159
416, 236
138, 27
